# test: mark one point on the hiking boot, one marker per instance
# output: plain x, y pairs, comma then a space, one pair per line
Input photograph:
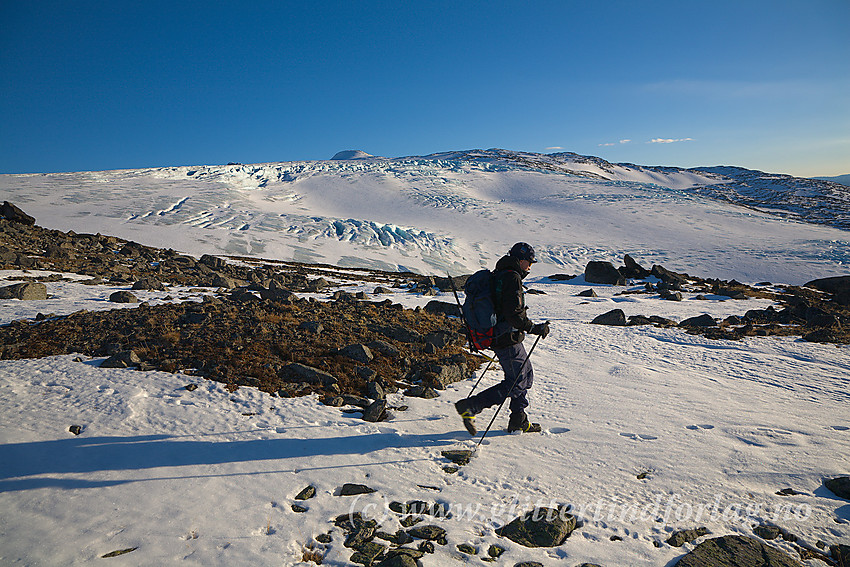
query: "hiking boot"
528, 428
462, 408
519, 422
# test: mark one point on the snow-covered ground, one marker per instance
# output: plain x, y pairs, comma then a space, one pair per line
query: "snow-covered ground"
207, 477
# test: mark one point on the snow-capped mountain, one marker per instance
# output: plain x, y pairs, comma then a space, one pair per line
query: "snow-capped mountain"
457, 211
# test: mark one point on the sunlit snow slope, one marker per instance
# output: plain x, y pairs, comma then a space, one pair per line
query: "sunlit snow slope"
451, 211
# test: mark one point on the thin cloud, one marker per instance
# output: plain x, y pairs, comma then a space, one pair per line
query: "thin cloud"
554, 148
608, 144
668, 140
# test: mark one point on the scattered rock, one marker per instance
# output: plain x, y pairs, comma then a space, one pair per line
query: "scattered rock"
587, 293
736, 551
615, 317
119, 552
632, 269
467, 549
603, 273
384, 348
357, 352
349, 489
76, 429
422, 391
312, 327
704, 320
367, 552
542, 527
839, 486
767, 532
309, 374
150, 284
443, 307
680, 538
458, 456
376, 411
306, 493
123, 297
26, 291
401, 557
125, 359
429, 532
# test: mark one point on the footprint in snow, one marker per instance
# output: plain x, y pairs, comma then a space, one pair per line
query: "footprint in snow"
839, 427
699, 426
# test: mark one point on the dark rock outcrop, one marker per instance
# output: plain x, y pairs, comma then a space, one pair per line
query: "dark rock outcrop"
541, 527
736, 551
615, 317
603, 273
12, 213
839, 486
680, 538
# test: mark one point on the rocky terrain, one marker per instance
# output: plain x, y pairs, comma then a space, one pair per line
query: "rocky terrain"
252, 329
818, 311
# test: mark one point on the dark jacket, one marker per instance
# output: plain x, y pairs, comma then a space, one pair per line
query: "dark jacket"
509, 300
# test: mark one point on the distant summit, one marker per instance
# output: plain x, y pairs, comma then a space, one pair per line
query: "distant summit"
352, 154
842, 179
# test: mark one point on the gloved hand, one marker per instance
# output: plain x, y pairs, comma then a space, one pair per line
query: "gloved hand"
541, 329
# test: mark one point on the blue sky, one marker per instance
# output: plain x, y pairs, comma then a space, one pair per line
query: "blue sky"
89, 85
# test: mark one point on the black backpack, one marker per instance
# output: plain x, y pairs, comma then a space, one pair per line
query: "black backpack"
479, 308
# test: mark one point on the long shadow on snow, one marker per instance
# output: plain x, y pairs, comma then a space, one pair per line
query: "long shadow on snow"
95, 454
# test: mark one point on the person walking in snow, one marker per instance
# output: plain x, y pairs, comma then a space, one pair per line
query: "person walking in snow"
513, 323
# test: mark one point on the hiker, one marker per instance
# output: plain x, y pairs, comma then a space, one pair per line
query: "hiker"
510, 330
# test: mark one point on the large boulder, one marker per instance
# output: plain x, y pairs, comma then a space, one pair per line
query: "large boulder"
632, 269
444, 307
24, 291
125, 359
839, 486
309, 374
704, 320
357, 352
615, 317
123, 296
736, 551
603, 273
837, 284
150, 284
541, 527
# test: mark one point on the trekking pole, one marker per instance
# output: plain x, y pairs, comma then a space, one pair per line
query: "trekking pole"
489, 364
518, 374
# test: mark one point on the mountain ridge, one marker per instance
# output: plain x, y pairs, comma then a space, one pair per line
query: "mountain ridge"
455, 211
